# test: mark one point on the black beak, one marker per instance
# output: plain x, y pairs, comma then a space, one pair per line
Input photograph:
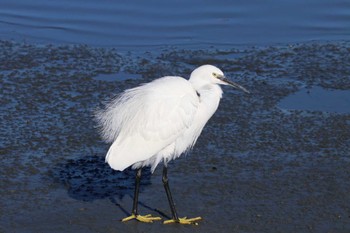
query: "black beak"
233, 84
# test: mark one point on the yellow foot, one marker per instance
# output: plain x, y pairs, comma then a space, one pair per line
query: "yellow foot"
184, 220
145, 218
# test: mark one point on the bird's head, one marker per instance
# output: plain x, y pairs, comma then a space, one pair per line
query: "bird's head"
209, 74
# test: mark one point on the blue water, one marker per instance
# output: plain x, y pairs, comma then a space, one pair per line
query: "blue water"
197, 23
318, 99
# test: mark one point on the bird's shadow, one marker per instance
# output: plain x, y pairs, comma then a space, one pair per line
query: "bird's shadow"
89, 178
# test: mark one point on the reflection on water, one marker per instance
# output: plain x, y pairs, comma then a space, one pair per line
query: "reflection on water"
156, 23
318, 99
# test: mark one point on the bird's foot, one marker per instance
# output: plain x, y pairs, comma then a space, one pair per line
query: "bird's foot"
142, 218
184, 220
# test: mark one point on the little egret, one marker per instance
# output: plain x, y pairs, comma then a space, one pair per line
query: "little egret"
157, 122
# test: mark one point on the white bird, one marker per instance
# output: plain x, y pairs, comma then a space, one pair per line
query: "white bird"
157, 122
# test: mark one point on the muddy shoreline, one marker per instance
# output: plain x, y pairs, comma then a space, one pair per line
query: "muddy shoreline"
255, 168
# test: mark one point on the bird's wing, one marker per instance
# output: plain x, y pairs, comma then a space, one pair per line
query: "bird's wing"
148, 118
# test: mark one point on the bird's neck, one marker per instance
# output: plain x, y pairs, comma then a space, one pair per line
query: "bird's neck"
210, 96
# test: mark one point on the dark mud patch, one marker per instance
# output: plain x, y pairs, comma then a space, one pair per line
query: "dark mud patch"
90, 178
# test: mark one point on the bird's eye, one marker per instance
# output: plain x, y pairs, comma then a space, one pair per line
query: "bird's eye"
215, 75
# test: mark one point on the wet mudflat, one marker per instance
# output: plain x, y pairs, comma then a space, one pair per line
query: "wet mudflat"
258, 166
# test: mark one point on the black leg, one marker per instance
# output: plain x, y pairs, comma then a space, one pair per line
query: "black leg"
134, 213
168, 193
137, 190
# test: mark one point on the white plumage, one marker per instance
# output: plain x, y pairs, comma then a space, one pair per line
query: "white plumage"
160, 120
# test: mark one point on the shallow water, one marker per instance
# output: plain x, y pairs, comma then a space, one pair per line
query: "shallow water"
318, 99
120, 76
139, 24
